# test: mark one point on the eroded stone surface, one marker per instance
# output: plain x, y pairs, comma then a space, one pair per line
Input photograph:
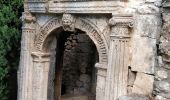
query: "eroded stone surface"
143, 84
161, 74
144, 42
134, 97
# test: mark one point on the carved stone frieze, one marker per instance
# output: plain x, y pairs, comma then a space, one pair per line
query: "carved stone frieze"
27, 17
82, 24
68, 22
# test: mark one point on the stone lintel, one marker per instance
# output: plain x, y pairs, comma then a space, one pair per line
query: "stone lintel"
74, 6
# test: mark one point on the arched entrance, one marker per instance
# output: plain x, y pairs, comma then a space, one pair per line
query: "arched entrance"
50, 38
75, 75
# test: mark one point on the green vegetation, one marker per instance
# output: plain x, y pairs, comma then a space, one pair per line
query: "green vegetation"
10, 32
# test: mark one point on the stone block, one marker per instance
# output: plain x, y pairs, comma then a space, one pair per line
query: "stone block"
144, 40
134, 97
143, 84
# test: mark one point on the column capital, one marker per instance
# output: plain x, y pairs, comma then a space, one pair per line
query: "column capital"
40, 57
122, 20
120, 25
28, 20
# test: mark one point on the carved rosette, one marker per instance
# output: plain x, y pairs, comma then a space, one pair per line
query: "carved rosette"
41, 64
68, 22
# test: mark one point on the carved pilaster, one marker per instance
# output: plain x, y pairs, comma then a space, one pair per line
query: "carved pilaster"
118, 57
101, 80
25, 68
41, 65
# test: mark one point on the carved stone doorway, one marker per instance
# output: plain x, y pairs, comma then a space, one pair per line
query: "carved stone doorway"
75, 76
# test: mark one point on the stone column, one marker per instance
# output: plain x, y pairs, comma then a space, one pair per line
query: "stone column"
101, 80
118, 63
25, 67
41, 64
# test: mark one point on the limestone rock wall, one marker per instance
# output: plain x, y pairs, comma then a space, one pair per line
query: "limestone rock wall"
162, 75
144, 40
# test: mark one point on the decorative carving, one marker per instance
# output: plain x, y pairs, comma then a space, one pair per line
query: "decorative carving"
95, 35
68, 22
28, 20
80, 24
122, 20
51, 25
27, 17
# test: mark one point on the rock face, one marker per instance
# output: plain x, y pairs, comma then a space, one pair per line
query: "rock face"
162, 75
143, 84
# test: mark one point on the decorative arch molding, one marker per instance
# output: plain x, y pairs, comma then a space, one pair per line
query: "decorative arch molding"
83, 24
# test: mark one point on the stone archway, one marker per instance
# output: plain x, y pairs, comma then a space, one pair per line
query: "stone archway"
42, 60
82, 24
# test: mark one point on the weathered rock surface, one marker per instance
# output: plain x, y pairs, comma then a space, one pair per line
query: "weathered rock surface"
161, 74
162, 86
134, 97
144, 43
143, 84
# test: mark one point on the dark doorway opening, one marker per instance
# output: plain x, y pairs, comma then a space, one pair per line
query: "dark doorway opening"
75, 74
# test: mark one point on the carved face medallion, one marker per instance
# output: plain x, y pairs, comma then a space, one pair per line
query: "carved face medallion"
68, 22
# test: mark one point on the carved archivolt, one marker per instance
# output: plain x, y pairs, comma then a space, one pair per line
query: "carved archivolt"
81, 24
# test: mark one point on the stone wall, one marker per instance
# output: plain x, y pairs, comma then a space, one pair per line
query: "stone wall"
162, 75
79, 73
